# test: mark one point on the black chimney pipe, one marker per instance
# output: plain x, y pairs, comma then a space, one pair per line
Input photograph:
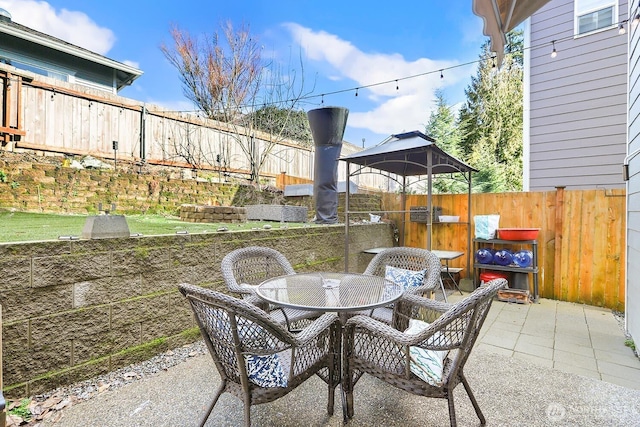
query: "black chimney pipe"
327, 128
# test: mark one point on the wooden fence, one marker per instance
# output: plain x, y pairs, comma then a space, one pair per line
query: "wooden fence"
45, 115
581, 241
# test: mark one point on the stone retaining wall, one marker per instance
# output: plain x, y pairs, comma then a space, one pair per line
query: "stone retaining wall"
54, 188
200, 213
29, 185
76, 309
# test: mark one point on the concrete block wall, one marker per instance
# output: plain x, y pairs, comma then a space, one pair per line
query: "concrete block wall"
76, 309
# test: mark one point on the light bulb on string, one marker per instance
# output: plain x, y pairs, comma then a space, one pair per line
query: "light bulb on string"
322, 99
441, 75
357, 91
636, 20
554, 53
397, 87
621, 29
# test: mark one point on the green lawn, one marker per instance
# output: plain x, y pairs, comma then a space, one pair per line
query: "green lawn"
23, 226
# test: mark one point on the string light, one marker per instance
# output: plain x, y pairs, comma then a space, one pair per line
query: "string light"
322, 99
397, 87
621, 29
305, 98
636, 20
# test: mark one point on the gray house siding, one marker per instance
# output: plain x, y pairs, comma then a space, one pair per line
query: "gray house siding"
59, 64
577, 102
633, 188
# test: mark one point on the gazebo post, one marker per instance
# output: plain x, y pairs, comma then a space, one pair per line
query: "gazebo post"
429, 207
346, 221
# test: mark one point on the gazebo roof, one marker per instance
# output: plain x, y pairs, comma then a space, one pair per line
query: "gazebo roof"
406, 154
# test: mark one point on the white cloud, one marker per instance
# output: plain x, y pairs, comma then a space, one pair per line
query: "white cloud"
133, 64
71, 26
406, 108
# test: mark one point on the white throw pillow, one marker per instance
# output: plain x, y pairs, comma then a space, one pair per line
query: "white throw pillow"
426, 364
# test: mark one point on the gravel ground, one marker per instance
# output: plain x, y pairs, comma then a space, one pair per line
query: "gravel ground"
49, 404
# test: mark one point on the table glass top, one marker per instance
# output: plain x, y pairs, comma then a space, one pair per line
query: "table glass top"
329, 291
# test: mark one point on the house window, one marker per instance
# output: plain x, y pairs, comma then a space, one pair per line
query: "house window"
592, 15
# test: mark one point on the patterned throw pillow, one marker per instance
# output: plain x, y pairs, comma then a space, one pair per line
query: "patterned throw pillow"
426, 364
406, 278
265, 371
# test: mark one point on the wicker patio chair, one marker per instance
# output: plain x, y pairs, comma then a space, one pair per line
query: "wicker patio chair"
427, 360
414, 259
245, 268
258, 359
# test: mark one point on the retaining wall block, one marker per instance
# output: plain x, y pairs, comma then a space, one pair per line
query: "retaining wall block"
105, 343
66, 269
140, 260
106, 290
65, 326
37, 360
15, 273
18, 304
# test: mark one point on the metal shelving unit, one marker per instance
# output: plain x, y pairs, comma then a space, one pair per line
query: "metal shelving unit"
534, 270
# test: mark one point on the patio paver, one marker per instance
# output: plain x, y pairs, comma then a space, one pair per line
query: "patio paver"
572, 338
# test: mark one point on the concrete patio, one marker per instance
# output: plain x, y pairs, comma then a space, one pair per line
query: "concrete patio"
552, 363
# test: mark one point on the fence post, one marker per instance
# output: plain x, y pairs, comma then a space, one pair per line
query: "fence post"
557, 264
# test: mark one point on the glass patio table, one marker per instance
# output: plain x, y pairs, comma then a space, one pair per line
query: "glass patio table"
343, 293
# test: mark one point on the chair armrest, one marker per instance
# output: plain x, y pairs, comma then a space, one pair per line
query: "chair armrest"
257, 301
246, 289
424, 339
312, 331
418, 301
411, 306
378, 328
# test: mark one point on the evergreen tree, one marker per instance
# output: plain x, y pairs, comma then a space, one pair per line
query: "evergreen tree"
442, 126
490, 121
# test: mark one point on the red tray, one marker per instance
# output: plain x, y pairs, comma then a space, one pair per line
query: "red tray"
518, 233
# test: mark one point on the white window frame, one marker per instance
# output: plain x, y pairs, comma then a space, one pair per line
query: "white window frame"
603, 4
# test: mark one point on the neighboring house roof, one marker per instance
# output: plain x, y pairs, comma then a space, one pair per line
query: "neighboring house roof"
502, 16
124, 74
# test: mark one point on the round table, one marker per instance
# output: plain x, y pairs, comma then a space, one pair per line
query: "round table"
344, 293
329, 292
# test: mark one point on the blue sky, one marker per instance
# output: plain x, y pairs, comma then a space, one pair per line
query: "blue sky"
344, 45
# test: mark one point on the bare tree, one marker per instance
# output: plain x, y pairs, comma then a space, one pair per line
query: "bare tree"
227, 79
